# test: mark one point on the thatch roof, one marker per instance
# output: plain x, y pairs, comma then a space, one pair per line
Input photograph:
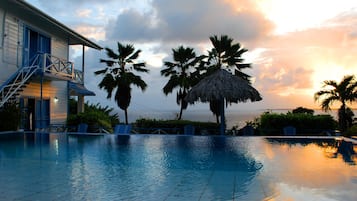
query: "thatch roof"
223, 84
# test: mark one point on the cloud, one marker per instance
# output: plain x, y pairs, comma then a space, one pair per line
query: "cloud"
284, 72
62, 5
297, 62
192, 21
287, 68
90, 31
132, 26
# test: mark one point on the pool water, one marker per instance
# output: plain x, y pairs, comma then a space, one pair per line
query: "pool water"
171, 167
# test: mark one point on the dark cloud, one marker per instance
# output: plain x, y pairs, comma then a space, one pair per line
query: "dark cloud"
187, 21
132, 26
64, 5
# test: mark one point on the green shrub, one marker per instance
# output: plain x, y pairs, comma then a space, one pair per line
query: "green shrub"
94, 120
273, 124
95, 116
9, 117
352, 131
302, 110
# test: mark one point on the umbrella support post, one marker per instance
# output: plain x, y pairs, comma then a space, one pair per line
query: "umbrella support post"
223, 121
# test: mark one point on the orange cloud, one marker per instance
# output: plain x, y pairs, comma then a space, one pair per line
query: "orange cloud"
298, 62
91, 31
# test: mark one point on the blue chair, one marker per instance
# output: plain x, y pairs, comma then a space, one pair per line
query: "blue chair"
189, 130
122, 129
289, 130
82, 128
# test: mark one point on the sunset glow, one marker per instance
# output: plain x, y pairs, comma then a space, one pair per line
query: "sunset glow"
293, 46
306, 159
290, 16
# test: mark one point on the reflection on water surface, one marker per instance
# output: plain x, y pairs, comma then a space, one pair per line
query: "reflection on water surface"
158, 167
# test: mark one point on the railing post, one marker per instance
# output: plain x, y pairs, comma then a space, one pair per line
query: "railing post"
72, 70
44, 62
83, 51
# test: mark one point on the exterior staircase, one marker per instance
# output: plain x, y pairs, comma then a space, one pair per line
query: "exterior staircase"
47, 64
10, 89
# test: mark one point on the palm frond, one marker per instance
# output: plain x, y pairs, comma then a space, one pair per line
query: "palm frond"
136, 80
168, 71
111, 54
135, 55
140, 67
103, 71
325, 104
108, 84
245, 65
180, 70
331, 83
173, 82
325, 93
125, 50
109, 63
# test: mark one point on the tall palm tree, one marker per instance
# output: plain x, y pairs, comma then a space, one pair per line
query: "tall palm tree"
343, 92
227, 55
118, 75
182, 74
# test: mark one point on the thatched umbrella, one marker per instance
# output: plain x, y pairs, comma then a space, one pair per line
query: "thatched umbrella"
220, 86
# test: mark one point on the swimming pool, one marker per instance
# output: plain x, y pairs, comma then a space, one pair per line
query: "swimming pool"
169, 167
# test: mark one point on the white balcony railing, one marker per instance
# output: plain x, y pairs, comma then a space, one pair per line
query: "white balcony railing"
45, 63
60, 68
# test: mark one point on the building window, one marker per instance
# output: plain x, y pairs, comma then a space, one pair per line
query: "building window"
2, 28
34, 43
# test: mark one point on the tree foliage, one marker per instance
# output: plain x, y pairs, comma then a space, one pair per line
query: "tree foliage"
118, 76
182, 74
9, 117
95, 115
302, 110
273, 124
225, 54
343, 92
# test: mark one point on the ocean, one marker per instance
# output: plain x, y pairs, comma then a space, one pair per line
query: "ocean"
233, 117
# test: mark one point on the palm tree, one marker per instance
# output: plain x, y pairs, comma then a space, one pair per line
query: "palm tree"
118, 75
227, 55
343, 92
182, 74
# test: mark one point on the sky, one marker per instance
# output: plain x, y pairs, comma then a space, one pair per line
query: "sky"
293, 45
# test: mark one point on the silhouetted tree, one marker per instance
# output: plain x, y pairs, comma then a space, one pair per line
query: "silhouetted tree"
227, 55
182, 74
343, 92
302, 110
118, 75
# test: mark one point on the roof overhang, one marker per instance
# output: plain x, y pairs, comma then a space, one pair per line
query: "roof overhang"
36, 17
76, 89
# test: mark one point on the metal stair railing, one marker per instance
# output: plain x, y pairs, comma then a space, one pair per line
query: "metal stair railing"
41, 62
18, 80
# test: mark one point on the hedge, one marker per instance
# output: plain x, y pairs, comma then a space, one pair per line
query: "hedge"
273, 124
9, 117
